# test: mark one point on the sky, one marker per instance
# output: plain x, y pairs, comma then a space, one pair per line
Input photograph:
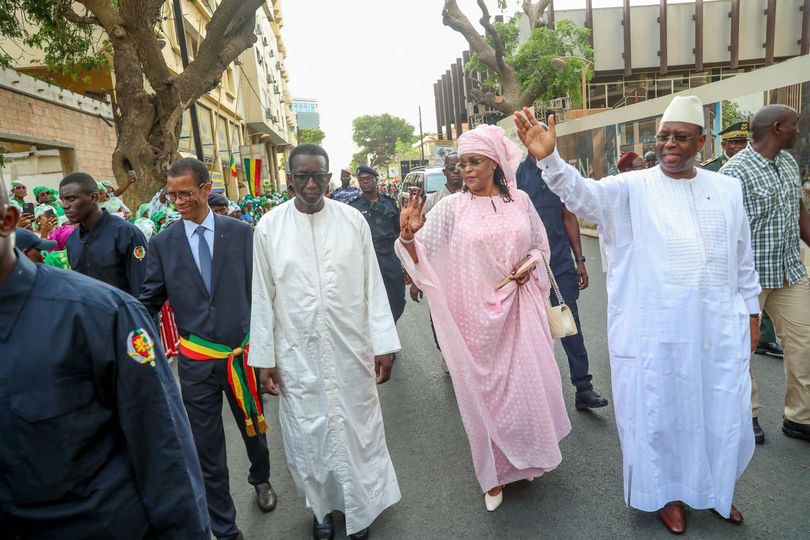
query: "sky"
359, 57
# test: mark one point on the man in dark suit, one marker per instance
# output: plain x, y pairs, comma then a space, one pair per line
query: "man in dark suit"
203, 266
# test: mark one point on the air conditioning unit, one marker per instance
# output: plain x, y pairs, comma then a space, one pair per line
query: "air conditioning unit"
278, 65
274, 118
264, 41
269, 79
267, 114
271, 53
276, 89
258, 30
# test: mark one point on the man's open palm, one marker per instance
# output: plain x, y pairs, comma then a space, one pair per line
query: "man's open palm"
538, 140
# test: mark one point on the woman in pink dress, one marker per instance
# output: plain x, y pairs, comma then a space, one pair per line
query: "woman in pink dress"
497, 343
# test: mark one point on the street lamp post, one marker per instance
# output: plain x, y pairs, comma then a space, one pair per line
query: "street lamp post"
559, 63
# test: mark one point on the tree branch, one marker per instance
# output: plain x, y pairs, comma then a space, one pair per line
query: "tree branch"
230, 32
63, 8
535, 10
494, 34
106, 14
455, 19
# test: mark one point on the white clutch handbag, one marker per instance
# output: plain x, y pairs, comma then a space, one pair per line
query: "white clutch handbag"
560, 319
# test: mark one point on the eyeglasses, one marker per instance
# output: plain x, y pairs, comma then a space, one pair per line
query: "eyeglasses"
181, 196
664, 138
301, 178
452, 168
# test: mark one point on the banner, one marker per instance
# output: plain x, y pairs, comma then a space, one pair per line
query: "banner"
253, 175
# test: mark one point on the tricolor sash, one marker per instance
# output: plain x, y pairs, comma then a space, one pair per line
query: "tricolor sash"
241, 377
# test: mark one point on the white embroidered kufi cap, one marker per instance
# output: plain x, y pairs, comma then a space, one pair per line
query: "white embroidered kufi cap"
687, 109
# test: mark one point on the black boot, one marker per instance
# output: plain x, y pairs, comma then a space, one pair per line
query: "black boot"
759, 435
324, 530
771, 349
589, 399
360, 535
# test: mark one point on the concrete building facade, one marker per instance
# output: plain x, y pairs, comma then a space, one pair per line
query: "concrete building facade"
36, 144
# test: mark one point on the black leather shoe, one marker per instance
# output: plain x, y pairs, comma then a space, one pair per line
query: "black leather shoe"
759, 435
324, 530
589, 399
360, 535
796, 430
265, 497
770, 349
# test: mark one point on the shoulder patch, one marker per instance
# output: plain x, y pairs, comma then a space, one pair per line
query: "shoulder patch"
140, 347
139, 252
710, 160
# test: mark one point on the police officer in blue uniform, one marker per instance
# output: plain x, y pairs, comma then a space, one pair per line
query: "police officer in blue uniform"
382, 215
104, 247
94, 440
562, 229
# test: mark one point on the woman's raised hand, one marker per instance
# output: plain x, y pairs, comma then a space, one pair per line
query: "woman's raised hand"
538, 139
410, 218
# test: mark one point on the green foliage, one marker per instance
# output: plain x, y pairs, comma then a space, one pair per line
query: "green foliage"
358, 158
532, 59
311, 135
377, 136
732, 113
68, 48
509, 36
406, 150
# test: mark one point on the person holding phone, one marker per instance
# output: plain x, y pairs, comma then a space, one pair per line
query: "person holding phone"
496, 342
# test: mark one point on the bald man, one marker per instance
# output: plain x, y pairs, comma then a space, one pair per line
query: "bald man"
772, 191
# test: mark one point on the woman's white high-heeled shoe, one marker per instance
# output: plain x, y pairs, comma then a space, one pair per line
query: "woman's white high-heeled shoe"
492, 502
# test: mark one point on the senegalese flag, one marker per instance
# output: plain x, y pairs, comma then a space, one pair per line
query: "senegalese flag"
241, 377
233, 167
253, 175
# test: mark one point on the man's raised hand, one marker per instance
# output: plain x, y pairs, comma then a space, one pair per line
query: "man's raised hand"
538, 140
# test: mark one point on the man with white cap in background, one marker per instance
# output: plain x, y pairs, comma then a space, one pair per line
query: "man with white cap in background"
683, 314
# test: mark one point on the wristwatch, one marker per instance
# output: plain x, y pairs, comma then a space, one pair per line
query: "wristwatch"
581, 258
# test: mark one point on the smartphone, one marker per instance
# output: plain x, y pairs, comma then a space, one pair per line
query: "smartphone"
50, 213
28, 208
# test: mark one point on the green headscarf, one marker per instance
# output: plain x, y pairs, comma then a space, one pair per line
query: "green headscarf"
58, 259
157, 216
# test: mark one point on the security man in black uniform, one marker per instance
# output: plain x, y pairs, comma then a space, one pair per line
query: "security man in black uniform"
94, 441
104, 247
382, 215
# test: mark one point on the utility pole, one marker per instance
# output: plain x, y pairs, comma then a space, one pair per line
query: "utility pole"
421, 137
181, 41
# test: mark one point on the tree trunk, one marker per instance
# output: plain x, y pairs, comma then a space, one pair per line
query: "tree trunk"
149, 123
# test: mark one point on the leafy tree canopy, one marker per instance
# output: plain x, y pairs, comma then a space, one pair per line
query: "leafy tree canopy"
311, 135
377, 137
533, 60
733, 113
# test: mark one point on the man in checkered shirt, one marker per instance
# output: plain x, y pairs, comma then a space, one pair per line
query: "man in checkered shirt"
772, 191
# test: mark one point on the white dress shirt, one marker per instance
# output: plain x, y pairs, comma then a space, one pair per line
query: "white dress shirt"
194, 240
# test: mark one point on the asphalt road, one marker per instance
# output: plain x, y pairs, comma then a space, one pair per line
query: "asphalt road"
580, 499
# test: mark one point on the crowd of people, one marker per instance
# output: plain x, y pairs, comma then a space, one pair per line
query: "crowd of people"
297, 295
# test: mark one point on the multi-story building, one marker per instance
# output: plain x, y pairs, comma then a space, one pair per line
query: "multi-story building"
269, 117
643, 52
306, 111
236, 118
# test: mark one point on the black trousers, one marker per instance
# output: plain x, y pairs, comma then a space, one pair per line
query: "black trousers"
574, 346
202, 384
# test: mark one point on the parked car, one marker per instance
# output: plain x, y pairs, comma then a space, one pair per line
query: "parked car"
428, 180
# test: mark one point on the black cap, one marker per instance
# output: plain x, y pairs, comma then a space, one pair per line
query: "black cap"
25, 239
365, 169
217, 199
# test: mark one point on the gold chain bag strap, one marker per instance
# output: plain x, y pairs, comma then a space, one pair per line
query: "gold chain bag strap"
560, 319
